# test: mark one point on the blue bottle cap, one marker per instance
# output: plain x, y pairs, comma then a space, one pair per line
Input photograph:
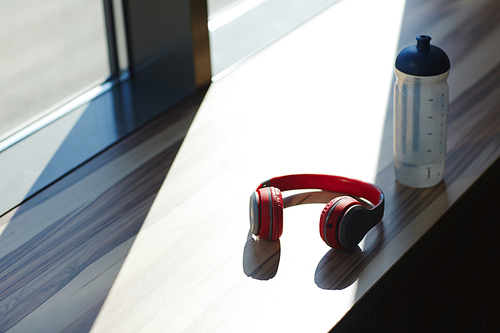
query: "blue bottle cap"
423, 59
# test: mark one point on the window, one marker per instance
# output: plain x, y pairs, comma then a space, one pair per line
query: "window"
51, 51
241, 28
162, 44
165, 66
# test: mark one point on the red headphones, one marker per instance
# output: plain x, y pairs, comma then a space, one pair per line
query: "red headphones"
344, 221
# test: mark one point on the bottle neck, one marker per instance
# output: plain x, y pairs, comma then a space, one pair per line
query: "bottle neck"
422, 79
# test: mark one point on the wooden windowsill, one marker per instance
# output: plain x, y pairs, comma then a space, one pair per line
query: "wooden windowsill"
153, 234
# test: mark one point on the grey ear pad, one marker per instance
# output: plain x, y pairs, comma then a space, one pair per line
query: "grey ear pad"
353, 227
254, 213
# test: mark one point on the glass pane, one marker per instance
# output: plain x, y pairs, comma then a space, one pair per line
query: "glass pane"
51, 50
240, 28
217, 7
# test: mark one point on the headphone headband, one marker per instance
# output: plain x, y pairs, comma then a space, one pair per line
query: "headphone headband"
331, 183
343, 223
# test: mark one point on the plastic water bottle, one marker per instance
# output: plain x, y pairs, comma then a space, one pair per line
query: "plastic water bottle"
420, 114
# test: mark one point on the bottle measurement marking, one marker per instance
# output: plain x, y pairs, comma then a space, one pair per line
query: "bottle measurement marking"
431, 118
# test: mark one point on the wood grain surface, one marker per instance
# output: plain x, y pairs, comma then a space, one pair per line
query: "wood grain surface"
152, 235
52, 243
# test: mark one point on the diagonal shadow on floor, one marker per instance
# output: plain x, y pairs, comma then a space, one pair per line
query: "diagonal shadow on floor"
61, 250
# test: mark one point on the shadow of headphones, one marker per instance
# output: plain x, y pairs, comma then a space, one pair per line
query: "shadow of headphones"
343, 222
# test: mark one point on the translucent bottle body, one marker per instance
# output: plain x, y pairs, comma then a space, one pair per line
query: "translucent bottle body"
420, 128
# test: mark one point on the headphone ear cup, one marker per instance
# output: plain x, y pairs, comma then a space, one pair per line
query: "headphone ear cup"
330, 219
278, 213
271, 213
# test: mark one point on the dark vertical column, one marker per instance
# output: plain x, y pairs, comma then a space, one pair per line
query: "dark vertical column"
167, 42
